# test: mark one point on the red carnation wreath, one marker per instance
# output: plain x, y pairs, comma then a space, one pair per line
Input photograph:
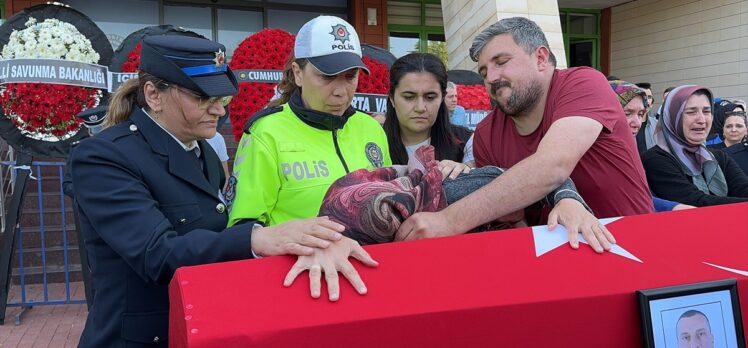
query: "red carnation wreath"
133, 60
473, 97
377, 82
46, 111
267, 49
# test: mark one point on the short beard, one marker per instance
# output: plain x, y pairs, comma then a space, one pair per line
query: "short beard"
521, 100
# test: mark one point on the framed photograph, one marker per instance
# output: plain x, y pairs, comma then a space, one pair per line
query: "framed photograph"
693, 315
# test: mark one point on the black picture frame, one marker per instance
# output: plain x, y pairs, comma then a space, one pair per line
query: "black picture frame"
667, 313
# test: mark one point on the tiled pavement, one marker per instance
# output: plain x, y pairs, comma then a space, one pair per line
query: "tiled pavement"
57, 326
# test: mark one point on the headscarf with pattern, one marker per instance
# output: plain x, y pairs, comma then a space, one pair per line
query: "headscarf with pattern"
373, 204
626, 91
695, 160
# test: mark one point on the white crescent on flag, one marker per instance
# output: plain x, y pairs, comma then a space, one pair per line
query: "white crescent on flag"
733, 270
546, 240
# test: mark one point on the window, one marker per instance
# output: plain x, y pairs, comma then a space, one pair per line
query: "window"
290, 21
331, 3
235, 25
228, 23
416, 26
581, 30
117, 19
195, 18
404, 43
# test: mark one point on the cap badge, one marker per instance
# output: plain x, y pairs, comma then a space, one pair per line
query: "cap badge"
340, 33
220, 58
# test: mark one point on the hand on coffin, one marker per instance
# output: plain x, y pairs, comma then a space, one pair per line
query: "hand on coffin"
330, 261
576, 219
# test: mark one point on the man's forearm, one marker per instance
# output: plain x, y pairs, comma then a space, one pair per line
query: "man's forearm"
522, 185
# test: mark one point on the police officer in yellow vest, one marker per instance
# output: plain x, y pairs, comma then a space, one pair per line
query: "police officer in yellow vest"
147, 192
296, 148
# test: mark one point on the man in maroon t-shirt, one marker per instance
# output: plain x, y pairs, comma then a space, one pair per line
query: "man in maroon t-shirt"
549, 125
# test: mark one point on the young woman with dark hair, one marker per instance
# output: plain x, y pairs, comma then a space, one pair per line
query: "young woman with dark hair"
417, 114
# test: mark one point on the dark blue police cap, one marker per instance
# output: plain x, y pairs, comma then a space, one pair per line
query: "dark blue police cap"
193, 63
95, 116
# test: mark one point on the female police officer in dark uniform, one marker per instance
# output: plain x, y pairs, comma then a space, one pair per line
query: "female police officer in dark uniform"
147, 191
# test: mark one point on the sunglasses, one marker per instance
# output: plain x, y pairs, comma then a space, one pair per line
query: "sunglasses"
736, 113
203, 101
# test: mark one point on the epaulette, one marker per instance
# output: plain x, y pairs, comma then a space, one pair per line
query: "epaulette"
260, 114
116, 132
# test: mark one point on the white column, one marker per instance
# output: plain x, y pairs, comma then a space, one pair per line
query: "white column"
465, 19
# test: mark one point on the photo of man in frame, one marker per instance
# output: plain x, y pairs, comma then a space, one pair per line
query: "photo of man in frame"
698, 325
693, 330
703, 314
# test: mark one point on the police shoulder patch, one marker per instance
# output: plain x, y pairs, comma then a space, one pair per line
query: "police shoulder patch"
260, 114
374, 155
230, 193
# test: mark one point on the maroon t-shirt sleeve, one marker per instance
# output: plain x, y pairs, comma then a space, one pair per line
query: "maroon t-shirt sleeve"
586, 92
481, 144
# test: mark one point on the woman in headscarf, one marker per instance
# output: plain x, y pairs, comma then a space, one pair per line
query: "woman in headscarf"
634, 101
680, 168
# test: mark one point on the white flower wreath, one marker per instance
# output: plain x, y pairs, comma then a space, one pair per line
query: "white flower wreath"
50, 39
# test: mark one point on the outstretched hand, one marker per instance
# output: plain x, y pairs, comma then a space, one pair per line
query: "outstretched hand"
330, 261
576, 219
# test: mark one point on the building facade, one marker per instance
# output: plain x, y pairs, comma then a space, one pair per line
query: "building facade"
664, 42
676, 42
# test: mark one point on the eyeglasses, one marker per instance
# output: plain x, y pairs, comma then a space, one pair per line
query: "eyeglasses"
203, 101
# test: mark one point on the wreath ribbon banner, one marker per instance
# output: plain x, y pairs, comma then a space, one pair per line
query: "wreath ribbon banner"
258, 75
363, 101
65, 72
370, 102
61, 72
72, 73
55, 71
116, 79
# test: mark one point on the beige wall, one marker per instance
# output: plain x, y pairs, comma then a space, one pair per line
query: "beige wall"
676, 42
463, 19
